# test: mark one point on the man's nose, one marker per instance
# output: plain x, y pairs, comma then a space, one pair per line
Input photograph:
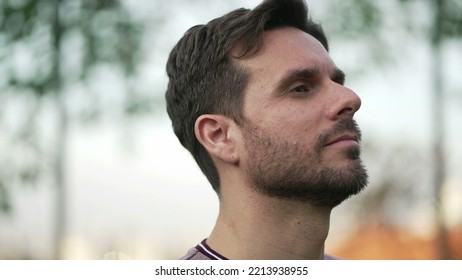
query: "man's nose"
345, 103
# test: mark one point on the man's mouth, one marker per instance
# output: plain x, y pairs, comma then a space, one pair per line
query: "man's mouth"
344, 139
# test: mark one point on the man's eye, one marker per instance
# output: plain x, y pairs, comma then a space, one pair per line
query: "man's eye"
300, 89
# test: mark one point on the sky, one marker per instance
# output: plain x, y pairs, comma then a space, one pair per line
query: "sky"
139, 193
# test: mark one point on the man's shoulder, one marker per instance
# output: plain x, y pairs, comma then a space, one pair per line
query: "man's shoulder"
202, 252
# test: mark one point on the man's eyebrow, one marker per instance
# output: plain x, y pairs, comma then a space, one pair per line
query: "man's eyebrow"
297, 74
338, 76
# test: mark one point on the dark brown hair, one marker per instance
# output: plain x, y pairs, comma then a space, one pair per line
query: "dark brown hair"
204, 78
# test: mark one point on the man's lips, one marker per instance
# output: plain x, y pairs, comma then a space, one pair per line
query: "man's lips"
344, 138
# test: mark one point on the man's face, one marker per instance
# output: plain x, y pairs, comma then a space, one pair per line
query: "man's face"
300, 140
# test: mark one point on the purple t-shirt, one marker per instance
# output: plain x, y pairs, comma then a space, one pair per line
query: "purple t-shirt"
203, 252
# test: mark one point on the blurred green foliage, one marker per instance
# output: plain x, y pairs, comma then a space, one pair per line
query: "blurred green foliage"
104, 28
39, 61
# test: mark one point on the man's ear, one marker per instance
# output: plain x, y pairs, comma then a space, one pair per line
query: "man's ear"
217, 134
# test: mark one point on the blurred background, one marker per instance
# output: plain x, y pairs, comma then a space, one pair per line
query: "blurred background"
90, 167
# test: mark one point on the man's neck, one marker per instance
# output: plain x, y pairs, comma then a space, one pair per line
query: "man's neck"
252, 226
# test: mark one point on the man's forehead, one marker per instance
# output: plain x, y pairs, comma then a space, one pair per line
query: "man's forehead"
288, 48
287, 43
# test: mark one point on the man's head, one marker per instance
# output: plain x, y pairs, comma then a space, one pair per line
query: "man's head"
228, 68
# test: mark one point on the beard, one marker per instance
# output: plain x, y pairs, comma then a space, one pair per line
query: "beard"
278, 168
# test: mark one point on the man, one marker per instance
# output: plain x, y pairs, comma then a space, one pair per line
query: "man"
256, 99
